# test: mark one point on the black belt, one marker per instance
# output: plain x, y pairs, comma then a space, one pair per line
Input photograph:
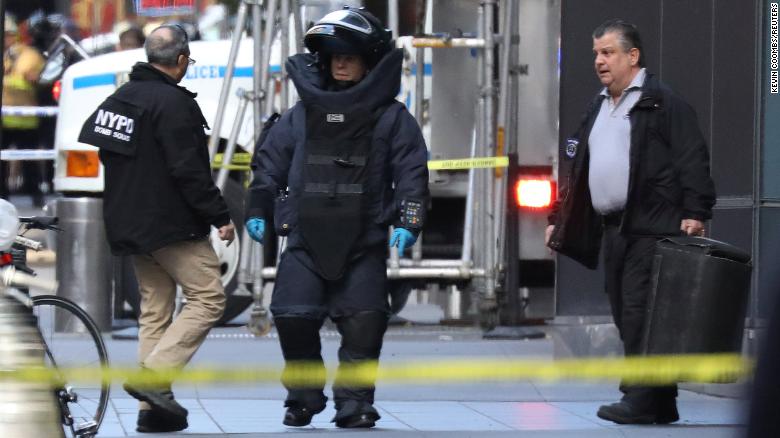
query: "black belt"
613, 219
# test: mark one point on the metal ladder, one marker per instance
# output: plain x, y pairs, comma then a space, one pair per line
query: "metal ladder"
482, 250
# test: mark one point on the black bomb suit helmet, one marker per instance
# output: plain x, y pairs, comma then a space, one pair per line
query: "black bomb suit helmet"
349, 31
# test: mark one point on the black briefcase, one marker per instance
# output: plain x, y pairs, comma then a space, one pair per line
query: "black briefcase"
699, 296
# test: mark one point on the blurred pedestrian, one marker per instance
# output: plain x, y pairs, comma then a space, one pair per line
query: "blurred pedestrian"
159, 202
131, 38
638, 171
22, 65
44, 31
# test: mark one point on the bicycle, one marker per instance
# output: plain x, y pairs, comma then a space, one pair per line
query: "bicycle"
67, 331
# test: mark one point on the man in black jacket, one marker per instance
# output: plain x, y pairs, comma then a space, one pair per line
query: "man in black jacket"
638, 170
159, 203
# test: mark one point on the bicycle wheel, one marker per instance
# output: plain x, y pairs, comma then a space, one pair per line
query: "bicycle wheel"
73, 341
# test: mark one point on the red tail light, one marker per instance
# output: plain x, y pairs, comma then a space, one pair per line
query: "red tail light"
6, 259
534, 193
56, 89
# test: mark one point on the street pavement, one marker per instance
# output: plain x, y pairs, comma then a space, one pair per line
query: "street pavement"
517, 408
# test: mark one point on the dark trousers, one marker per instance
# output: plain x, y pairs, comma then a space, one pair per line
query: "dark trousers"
628, 263
357, 302
32, 171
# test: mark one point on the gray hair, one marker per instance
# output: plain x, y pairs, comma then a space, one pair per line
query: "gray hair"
628, 36
164, 48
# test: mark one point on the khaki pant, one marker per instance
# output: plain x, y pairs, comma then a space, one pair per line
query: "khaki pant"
163, 341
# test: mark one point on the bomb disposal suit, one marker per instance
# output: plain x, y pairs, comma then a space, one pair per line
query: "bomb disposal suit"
340, 167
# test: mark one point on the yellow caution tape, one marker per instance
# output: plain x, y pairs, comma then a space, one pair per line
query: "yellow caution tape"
242, 160
231, 166
469, 163
238, 158
651, 370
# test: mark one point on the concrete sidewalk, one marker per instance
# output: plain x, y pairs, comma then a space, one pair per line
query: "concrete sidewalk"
518, 408
226, 417
559, 409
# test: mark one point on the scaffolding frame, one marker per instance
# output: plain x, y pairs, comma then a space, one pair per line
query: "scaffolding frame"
483, 247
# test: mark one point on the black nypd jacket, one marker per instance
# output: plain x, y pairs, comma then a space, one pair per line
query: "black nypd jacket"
397, 166
158, 184
669, 175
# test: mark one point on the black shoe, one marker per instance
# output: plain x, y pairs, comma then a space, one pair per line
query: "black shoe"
666, 412
151, 421
355, 414
358, 421
297, 416
161, 400
624, 413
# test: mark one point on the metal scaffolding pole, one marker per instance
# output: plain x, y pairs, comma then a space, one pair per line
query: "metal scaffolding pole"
229, 71
478, 204
230, 148
488, 91
244, 266
419, 77
421, 272
392, 17
468, 221
270, 27
257, 76
503, 137
299, 30
419, 89
445, 42
284, 23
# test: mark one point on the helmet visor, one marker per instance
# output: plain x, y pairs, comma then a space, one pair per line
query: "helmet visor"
348, 19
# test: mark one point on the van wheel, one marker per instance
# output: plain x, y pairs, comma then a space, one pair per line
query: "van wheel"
234, 196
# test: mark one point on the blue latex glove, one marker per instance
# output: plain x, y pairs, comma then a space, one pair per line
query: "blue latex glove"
402, 238
255, 226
